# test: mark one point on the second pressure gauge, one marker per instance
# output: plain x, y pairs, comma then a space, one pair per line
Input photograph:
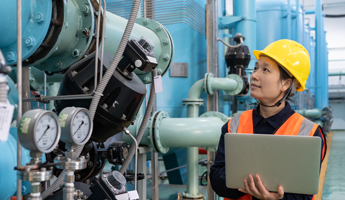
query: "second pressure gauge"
39, 131
76, 125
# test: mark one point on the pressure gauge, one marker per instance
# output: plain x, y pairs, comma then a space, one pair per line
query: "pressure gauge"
76, 125
39, 130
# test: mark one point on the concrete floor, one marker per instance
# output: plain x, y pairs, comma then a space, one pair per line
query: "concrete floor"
334, 187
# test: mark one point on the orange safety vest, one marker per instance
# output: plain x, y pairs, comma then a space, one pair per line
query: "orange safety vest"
296, 124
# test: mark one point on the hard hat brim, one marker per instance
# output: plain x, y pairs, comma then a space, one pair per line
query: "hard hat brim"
257, 55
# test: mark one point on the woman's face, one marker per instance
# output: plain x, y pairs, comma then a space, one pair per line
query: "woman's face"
265, 83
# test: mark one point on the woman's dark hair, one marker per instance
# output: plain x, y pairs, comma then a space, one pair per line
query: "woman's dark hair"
284, 76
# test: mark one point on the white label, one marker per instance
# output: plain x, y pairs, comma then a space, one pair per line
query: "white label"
158, 84
6, 114
133, 194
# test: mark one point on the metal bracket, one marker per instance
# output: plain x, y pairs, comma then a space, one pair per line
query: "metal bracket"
225, 22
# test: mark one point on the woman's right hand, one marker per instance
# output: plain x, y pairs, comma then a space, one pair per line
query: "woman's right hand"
259, 191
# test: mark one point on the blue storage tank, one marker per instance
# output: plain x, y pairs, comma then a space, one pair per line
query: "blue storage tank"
272, 22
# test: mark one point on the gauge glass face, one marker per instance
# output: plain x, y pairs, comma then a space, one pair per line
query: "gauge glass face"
46, 131
125, 153
80, 126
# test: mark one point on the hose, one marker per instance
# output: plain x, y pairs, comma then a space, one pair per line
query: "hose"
143, 124
95, 100
229, 45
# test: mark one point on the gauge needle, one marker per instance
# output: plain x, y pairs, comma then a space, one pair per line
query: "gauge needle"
79, 127
43, 134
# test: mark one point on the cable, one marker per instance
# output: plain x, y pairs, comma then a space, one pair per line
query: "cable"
95, 100
143, 124
229, 45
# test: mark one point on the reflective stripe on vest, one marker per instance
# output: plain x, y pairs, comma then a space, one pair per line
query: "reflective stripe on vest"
296, 124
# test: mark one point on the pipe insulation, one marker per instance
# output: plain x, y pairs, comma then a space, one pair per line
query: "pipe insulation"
101, 87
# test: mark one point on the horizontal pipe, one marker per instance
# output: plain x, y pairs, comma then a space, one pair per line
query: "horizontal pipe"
190, 132
314, 113
225, 84
309, 11
336, 73
181, 132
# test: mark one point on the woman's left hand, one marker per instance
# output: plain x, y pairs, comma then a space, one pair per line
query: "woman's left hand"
259, 191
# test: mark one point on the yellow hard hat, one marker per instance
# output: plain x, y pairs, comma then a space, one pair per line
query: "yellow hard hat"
292, 56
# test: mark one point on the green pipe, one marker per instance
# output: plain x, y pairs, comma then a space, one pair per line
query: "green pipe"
52, 91
193, 152
225, 84
336, 73
206, 130
195, 91
314, 113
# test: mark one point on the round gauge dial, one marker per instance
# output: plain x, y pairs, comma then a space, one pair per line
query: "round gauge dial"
39, 130
125, 152
46, 131
76, 125
81, 126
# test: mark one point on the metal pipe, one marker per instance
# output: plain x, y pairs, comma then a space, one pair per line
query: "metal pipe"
45, 89
20, 87
336, 73
207, 130
314, 113
289, 20
211, 39
62, 97
103, 34
321, 99
226, 84
144, 8
52, 92
136, 157
97, 43
298, 25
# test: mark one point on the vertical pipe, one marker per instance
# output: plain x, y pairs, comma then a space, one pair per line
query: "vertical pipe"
192, 158
45, 89
211, 42
247, 27
103, 34
142, 183
144, 8
320, 97
155, 175
289, 20
20, 86
192, 170
26, 88
53, 90
298, 25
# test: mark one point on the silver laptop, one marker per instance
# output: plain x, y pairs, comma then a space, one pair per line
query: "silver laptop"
290, 161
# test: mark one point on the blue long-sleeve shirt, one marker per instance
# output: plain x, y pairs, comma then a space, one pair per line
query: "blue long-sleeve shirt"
261, 126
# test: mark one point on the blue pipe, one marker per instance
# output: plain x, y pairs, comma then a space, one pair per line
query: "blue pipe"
321, 68
298, 24
310, 11
247, 26
289, 20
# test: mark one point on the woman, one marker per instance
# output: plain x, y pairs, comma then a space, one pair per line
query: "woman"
282, 68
